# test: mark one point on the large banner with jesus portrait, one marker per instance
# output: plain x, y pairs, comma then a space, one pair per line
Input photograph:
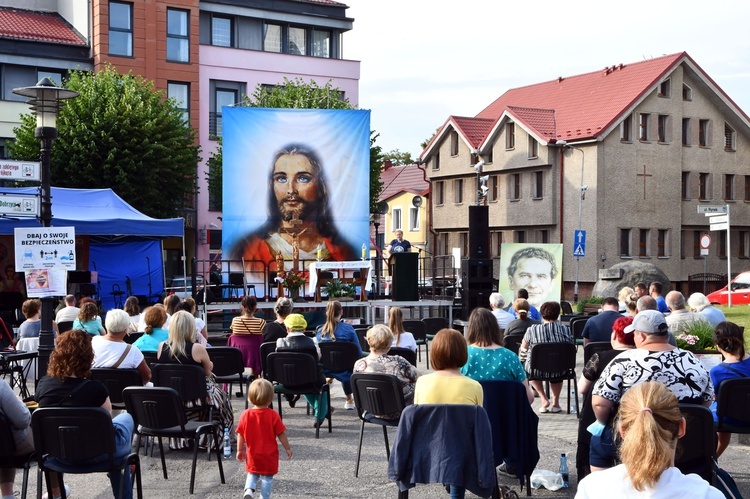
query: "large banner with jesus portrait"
535, 267
296, 185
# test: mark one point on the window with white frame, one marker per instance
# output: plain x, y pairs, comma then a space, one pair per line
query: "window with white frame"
180, 92
272, 37
510, 135
730, 137
625, 242
395, 219
297, 41
178, 41
413, 218
321, 43
121, 29
626, 129
643, 131
533, 148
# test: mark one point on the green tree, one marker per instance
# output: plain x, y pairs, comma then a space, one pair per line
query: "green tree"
296, 94
122, 133
398, 158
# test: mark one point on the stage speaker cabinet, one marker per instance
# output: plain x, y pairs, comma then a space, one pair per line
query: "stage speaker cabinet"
79, 277
404, 269
476, 284
479, 232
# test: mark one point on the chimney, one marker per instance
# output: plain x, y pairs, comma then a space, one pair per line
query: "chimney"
387, 164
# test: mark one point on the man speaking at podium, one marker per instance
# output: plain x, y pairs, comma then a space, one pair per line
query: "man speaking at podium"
399, 245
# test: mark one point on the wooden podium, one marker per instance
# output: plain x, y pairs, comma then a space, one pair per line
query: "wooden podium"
404, 270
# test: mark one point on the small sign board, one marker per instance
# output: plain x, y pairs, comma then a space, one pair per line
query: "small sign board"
718, 219
610, 274
712, 210
20, 170
705, 241
579, 243
19, 205
45, 248
722, 226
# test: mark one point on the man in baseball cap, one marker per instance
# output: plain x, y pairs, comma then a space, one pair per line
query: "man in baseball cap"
653, 359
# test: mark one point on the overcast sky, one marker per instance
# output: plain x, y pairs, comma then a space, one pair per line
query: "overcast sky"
424, 61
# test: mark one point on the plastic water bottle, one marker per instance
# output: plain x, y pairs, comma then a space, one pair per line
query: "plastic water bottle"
574, 404
228, 445
564, 470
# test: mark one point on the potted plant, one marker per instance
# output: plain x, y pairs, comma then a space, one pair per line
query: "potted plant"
696, 336
339, 290
293, 280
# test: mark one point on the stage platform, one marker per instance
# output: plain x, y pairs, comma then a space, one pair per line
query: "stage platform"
368, 308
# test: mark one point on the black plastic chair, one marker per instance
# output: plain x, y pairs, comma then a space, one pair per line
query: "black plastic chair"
362, 336
732, 402
8, 459
159, 412
433, 325
696, 451
66, 439
190, 383
296, 373
513, 343
554, 361
576, 327
64, 326
229, 367
566, 307
338, 356
116, 380
150, 358
407, 353
377, 395
131, 337
595, 347
418, 329
265, 349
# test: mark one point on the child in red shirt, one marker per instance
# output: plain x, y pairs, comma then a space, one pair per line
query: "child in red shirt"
258, 429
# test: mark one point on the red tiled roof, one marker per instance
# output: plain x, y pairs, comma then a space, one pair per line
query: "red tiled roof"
581, 107
37, 26
409, 178
474, 129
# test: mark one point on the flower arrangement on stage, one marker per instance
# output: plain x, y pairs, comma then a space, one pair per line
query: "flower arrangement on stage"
293, 280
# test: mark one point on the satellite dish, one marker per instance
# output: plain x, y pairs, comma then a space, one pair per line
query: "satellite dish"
382, 207
416, 201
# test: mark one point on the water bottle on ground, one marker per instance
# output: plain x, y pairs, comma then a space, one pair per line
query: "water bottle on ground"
227, 444
574, 402
564, 470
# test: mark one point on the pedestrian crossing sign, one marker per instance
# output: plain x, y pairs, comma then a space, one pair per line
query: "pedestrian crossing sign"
579, 250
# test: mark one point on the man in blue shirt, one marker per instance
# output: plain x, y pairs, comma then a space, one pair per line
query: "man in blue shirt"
399, 245
655, 291
599, 327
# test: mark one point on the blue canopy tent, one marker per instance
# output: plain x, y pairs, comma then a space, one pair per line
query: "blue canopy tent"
125, 243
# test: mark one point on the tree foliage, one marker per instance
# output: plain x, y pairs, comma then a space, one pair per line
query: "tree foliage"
297, 94
121, 133
398, 158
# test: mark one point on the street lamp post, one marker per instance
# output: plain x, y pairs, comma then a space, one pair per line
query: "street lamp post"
581, 197
45, 100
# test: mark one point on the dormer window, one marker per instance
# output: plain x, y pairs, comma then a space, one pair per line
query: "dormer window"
664, 88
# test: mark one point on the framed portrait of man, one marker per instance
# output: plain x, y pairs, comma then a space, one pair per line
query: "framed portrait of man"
534, 267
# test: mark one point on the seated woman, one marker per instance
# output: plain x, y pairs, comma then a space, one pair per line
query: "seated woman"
88, 319
650, 423
111, 350
201, 332
133, 309
401, 338
519, 326
621, 341
247, 333
19, 419
32, 326
487, 358
277, 329
447, 385
336, 330
154, 332
731, 343
380, 339
181, 348
67, 385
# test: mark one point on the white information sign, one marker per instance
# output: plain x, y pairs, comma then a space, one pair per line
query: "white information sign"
19, 205
45, 248
20, 170
713, 210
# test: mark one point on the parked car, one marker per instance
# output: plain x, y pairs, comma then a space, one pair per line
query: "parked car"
740, 286
182, 287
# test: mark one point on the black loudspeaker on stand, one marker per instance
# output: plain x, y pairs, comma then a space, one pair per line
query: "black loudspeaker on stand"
479, 233
476, 279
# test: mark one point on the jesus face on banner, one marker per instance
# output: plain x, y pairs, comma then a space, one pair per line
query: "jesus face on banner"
312, 207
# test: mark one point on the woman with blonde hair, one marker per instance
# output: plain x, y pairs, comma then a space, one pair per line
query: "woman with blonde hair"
401, 338
334, 329
519, 326
627, 299
181, 348
649, 422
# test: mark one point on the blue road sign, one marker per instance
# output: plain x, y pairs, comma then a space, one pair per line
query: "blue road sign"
579, 243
